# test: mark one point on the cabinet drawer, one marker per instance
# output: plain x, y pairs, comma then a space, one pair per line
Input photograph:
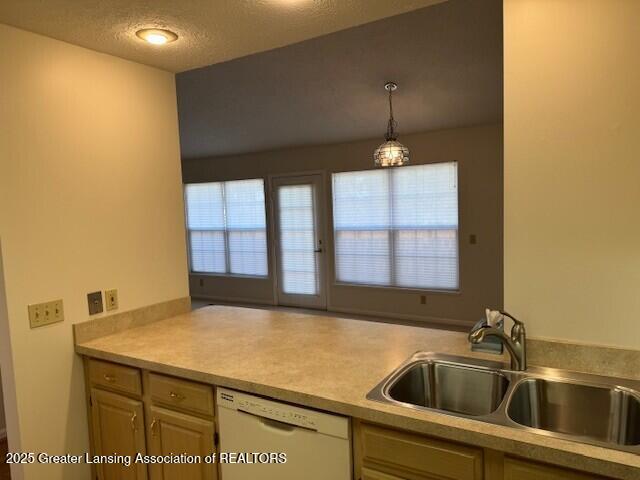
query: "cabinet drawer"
181, 394
375, 475
115, 377
394, 451
516, 469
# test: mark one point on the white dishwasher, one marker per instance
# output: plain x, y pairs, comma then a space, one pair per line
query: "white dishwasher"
317, 445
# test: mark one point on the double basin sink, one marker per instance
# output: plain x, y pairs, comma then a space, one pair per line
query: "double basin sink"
590, 409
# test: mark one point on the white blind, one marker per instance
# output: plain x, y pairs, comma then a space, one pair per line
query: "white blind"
227, 227
297, 239
397, 227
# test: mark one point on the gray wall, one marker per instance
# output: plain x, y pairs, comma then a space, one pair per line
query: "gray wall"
478, 151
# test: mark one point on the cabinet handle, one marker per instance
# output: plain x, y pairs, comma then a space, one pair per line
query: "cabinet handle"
133, 421
109, 378
153, 427
176, 396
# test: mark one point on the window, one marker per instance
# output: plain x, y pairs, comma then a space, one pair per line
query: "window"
227, 227
397, 227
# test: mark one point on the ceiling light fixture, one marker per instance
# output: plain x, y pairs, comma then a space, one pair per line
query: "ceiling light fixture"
391, 153
156, 36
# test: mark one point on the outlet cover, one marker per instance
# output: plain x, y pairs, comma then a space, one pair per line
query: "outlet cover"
94, 300
111, 299
41, 314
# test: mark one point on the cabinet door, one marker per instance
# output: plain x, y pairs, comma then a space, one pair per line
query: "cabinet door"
118, 429
398, 455
176, 433
515, 469
368, 474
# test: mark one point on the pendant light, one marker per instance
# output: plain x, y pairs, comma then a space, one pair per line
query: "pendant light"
391, 153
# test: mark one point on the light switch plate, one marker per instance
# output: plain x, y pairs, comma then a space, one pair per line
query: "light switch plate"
94, 300
41, 314
111, 299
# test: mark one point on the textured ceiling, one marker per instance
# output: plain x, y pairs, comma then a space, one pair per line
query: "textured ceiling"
447, 60
210, 31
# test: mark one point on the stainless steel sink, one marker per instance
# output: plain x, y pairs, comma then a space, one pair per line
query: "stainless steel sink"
592, 409
449, 386
600, 413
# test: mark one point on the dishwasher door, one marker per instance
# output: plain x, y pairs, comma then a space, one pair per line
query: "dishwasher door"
317, 445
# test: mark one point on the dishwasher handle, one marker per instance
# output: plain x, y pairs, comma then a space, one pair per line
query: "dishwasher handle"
277, 424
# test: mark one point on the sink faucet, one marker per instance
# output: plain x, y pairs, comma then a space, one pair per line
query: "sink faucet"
515, 344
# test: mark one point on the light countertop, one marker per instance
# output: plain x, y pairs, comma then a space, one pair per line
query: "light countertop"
330, 364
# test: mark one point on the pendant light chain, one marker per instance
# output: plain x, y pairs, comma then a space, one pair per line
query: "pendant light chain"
391, 125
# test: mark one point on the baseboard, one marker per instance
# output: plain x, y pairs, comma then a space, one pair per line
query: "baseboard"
407, 319
233, 300
356, 314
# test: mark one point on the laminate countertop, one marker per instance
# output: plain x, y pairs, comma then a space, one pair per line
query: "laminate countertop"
330, 364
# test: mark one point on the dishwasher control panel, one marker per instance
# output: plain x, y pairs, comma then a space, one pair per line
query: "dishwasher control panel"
281, 412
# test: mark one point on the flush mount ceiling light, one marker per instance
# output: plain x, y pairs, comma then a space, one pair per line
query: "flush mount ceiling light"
391, 153
156, 36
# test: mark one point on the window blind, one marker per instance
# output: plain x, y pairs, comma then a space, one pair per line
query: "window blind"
297, 239
227, 227
397, 227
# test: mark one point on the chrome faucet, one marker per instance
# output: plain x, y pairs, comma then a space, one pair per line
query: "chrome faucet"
515, 344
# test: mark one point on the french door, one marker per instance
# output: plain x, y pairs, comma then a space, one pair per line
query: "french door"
299, 242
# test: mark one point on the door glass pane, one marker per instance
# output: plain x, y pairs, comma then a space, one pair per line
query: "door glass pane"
297, 239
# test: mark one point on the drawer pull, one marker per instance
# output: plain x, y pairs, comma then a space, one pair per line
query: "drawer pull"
176, 396
109, 378
153, 427
133, 421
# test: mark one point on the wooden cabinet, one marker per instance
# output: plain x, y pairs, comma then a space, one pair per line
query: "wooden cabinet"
140, 412
381, 453
386, 454
118, 429
173, 432
517, 469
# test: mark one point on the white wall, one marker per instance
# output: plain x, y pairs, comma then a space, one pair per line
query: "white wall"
90, 198
572, 168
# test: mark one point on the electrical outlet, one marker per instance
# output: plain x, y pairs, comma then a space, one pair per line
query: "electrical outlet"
94, 300
41, 314
111, 299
